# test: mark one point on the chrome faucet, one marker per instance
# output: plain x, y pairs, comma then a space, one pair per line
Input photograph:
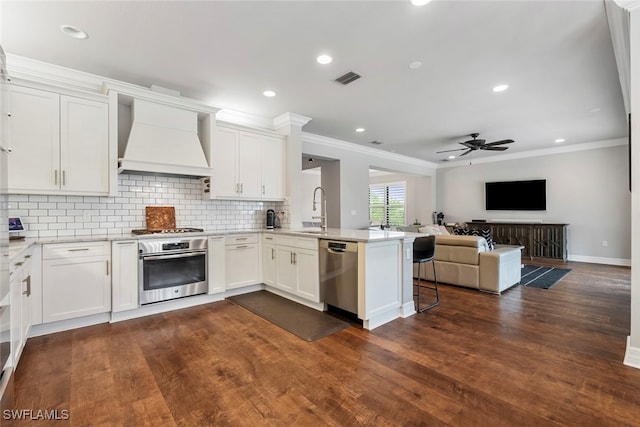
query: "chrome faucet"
323, 200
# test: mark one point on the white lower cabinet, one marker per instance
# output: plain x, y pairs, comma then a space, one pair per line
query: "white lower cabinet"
296, 266
124, 277
216, 264
268, 260
20, 283
241, 260
76, 280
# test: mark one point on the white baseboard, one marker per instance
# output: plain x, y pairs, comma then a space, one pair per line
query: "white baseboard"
165, 306
632, 355
408, 309
66, 325
600, 260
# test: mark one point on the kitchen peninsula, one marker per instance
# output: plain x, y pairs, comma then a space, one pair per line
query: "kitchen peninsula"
384, 273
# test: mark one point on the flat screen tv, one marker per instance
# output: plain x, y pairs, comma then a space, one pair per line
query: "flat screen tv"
516, 195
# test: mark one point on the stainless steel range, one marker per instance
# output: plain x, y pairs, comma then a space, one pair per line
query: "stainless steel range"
172, 268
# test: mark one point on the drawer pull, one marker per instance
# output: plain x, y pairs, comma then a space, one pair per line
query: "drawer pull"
18, 264
78, 250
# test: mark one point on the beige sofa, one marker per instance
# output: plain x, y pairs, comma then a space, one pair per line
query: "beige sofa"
467, 261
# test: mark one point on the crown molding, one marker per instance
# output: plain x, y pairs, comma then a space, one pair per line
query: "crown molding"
350, 146
629, 5
31, 70
542, 152
290, 119
244, 119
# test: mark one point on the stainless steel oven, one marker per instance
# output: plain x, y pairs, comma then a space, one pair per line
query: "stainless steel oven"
172, 268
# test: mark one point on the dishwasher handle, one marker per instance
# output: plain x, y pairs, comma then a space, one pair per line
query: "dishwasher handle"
337, 251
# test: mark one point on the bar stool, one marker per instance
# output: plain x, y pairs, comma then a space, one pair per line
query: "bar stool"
424, 250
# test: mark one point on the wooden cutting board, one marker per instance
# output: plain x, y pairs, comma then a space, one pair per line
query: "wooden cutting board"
160, 217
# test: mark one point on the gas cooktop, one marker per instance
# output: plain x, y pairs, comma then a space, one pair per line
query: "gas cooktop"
168, 231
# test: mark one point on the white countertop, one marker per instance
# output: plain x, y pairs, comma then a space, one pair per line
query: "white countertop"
17, 247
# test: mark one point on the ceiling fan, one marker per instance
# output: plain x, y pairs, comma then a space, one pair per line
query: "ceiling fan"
479, 144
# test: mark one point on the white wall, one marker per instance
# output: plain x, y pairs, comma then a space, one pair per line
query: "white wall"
355, 162
310, 180
418, 195
586, 189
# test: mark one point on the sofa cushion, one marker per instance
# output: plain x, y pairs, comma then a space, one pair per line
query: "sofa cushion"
460, 249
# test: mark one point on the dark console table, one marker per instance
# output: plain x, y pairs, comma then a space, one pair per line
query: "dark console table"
539, 240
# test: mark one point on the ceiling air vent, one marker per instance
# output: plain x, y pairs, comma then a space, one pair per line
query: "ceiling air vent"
347, 78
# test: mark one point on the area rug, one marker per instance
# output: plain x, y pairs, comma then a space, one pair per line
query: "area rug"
535, 276
304, 322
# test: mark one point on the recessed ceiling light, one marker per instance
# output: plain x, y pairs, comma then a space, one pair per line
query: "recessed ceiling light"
74, 32
419, 2
269, 93
500, 88
559, 140
595, 110
360, 129
415, 65
324, 59
452, 157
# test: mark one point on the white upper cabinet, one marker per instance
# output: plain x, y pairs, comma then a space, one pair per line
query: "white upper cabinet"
60, 144
246, 165
35, 140
272, 168
84, 142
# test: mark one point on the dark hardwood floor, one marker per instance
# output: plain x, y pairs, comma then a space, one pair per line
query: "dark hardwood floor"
530, 357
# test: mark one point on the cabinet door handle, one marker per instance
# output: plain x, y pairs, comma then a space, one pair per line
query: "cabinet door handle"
18, 264
27, 256
241, 188
55, 177
107, 267
7, 149
64, 177
290, 257
273, 253
295, 258
27, 291
238, 187
263, 191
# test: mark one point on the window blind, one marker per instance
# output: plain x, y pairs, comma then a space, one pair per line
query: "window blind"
387, 204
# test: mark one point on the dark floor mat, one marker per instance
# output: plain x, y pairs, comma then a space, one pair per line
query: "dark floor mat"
304, 322
542, 277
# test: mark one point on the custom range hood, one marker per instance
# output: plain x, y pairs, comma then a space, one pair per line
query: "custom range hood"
163, 140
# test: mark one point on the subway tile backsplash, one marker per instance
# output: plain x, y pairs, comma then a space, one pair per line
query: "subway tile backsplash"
58, 216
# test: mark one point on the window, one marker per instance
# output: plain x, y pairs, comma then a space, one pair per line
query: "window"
387, 204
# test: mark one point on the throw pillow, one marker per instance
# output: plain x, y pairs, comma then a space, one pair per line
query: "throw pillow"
486, 233
430, 230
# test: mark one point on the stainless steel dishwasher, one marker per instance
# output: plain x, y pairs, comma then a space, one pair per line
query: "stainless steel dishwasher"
339, 274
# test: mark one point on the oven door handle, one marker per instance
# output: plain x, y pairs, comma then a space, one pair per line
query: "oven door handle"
182, 255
